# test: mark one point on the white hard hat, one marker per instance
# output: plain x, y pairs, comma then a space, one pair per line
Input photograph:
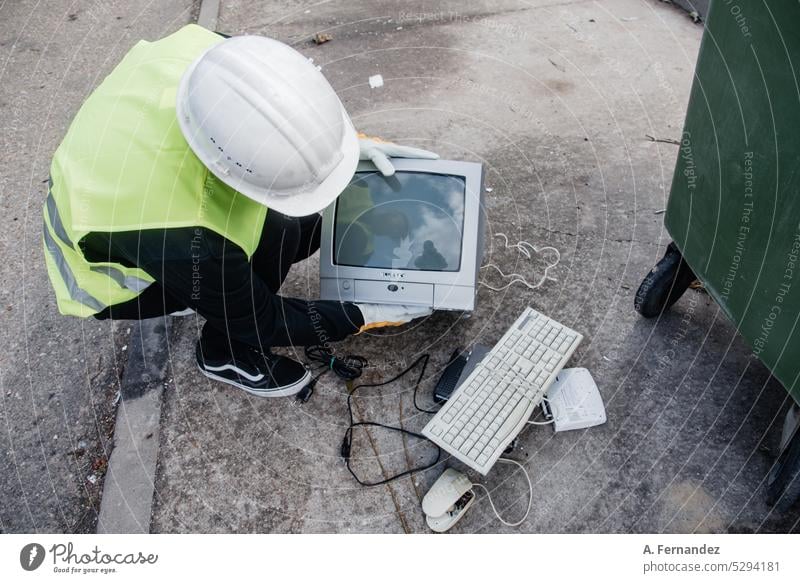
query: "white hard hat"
266, 122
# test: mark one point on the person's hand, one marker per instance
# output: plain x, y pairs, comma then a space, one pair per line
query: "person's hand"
380, 315
379, 151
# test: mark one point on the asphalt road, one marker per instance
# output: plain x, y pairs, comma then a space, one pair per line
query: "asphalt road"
58, 376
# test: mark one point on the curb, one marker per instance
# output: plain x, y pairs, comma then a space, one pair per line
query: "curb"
126, 505
209, 14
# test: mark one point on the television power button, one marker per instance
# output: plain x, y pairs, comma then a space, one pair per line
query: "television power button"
345, 284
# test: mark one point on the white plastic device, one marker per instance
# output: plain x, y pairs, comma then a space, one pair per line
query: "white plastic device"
574, 400
448, 500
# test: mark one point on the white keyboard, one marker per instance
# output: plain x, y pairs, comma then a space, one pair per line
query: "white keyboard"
487, 411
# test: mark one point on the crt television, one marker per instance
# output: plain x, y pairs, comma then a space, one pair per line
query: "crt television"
414, 238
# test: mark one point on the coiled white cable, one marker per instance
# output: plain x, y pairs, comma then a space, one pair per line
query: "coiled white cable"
530, 493
516, 278
525, 248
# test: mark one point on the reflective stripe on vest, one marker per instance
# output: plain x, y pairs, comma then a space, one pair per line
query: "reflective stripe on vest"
128, 281
55, 218
75, 292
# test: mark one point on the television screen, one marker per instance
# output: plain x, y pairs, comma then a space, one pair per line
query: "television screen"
412, 220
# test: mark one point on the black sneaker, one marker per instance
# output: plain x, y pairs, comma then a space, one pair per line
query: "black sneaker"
264, 375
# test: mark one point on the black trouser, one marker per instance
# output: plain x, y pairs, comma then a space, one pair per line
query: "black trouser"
284, 241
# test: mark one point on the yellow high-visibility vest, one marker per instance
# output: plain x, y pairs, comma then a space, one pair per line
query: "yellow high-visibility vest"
124, 165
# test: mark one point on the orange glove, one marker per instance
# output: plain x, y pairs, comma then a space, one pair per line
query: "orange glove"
381, 315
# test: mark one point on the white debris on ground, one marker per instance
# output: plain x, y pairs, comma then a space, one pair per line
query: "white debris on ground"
375, 81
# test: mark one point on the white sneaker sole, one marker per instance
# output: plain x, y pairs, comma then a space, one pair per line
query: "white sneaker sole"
286, 391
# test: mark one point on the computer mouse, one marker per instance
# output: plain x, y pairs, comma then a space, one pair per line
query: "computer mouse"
447, 520
447, 500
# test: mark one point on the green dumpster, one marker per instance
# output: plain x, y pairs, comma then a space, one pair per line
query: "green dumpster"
734, 206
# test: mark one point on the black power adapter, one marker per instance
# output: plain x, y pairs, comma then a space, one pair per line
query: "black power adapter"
461, 364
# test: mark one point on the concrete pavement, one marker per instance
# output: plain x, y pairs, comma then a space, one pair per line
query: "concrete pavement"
555, 98
59, 377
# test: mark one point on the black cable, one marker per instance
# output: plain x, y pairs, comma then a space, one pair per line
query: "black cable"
350, 368
348, 436
424, 359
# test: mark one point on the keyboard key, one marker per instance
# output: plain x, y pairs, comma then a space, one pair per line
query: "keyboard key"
525, 368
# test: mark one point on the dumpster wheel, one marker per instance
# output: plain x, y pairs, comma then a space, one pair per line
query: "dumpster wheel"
664, 285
